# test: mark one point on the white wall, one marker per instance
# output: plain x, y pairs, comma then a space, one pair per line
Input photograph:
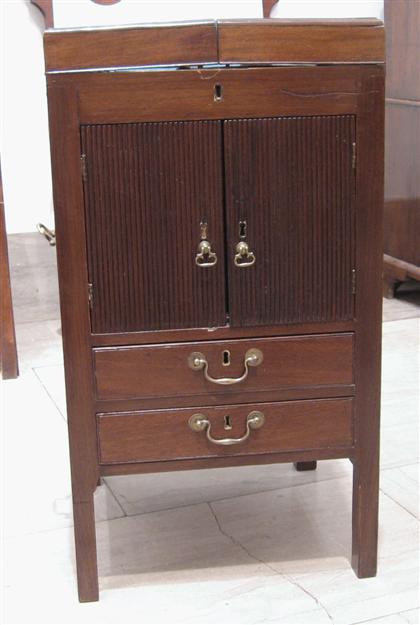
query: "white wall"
24, 145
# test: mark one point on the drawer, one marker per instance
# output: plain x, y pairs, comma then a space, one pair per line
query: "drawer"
197, 432
196, 369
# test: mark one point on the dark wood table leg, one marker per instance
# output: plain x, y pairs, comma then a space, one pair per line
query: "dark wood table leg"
310, 465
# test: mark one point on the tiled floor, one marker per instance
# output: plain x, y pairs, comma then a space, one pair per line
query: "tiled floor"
246, 545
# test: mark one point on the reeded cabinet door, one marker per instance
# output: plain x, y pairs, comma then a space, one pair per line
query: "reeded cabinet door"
148, 187
290, 197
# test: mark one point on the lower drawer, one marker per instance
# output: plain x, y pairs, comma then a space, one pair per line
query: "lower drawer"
224, 430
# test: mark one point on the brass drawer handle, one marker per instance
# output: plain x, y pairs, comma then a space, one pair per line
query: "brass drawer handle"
205, 257
243, 257
198, 422
197, 361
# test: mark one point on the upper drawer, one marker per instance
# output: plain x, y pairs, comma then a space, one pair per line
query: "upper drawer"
216, 368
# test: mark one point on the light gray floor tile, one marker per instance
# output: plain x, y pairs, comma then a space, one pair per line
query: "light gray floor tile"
166, 567
33, 273
394, 619
304, 533
402, 485
400, 372
145, 493
52, 379
37, 491
39, 344
399, 445
412, 616
314, 617
404, 305
287, 528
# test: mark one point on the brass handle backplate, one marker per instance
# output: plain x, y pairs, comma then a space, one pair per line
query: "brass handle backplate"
199, 422
243, 257
197, 361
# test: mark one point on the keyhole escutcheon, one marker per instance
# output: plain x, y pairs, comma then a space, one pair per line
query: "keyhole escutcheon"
218, 92
228, 425
226, 358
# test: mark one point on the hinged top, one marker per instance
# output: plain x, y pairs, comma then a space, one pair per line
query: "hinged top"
248, 42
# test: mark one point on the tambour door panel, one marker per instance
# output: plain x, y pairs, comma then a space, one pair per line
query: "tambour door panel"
290, 181
164, 371
148, 186
149, 436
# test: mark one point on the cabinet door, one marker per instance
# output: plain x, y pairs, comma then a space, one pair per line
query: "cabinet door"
148, 186
289, 196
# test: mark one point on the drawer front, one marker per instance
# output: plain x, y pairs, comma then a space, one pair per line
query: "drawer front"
197, 432
170, 370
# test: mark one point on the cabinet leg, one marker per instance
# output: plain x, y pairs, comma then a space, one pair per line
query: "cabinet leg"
309, 465
85, 539
365, 518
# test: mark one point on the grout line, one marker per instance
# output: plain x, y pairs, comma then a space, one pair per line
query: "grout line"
115, 499
40, 321
50, 364
382, 616
287, 577
399, 504
48, 394
400, 466
141, 514
257, 492
417, 316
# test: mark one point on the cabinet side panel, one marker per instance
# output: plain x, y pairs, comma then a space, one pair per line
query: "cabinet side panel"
291, 180
147, 188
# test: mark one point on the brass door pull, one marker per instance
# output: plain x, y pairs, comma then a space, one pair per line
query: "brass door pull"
198, 422
197, 361
205, 257
243, 257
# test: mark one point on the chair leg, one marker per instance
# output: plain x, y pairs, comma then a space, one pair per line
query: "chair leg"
309, 465
365, 517
86, 559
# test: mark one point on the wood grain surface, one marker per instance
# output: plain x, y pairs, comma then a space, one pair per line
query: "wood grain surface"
163, 371
166, 435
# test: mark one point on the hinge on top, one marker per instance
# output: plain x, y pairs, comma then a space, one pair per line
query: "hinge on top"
84, 167
90, 295
353, 282
353, 155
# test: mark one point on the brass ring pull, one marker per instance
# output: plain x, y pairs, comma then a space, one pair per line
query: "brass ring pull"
205, 257
243, 257
197, 361
198, 422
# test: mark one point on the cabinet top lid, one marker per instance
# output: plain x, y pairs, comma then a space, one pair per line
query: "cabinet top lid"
253, 42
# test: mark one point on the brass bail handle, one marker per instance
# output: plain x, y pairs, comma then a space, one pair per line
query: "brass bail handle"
199, 422
205, 257
243, 257
197, 361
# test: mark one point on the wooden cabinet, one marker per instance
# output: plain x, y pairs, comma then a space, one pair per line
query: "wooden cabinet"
219, 245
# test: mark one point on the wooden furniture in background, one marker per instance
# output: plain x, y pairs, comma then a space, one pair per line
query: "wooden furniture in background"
402, 145
8, 353
221, 287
